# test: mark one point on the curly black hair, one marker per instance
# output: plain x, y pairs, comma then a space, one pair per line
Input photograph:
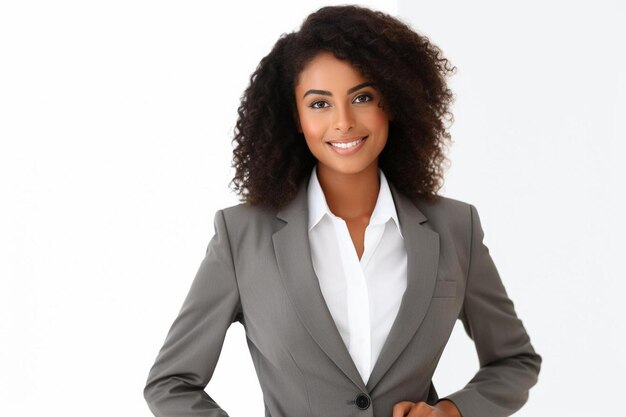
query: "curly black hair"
272, 158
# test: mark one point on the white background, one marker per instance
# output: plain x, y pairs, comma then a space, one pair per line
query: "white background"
116, 123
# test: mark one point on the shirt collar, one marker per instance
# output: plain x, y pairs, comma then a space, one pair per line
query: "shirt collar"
318, 207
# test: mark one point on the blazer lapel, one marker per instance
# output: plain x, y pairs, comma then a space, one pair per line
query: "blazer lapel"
293, 256
422, 247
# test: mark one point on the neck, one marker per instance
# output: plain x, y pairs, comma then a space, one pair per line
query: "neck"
350, 196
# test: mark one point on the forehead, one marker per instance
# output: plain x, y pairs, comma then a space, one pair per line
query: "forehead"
325, 70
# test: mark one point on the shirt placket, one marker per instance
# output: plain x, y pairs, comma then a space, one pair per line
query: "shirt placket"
357, 302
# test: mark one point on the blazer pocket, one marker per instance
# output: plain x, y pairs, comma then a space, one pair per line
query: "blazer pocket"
445, 289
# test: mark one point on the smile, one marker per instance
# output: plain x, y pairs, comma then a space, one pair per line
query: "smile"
347, 144
349, 147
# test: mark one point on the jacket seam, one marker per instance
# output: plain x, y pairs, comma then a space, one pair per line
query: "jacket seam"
232, 261
306, 388
469, 262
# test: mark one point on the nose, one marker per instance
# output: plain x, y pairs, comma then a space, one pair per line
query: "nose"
344, 119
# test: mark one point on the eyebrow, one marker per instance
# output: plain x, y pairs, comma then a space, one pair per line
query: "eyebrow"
350, 90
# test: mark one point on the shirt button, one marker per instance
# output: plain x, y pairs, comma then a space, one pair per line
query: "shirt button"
362, 401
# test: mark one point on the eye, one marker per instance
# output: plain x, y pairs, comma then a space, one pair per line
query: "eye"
363, 95
316, 102
356, 99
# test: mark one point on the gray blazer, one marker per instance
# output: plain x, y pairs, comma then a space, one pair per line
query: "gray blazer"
258, 271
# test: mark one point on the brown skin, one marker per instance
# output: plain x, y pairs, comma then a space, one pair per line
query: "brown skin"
350, 182
356, 216
443, 408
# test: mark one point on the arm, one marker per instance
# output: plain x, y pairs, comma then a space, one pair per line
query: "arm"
509, 366
185, 363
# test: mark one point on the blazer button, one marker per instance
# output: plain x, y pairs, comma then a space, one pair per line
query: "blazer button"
362, 401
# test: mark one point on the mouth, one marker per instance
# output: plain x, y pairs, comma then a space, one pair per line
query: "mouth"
348, 146
347, 143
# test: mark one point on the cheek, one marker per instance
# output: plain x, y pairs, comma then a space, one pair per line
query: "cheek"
373, 117
313, 129
380, 119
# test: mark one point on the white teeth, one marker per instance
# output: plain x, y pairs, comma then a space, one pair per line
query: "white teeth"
346, 145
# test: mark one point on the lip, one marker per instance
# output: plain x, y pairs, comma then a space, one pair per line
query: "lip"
349, 151
346, 140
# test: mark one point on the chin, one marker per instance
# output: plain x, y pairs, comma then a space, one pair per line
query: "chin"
346, 169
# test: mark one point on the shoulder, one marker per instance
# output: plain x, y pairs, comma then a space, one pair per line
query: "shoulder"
444, 207
453, 219
447, 210
246, 212
245, 219
438, 212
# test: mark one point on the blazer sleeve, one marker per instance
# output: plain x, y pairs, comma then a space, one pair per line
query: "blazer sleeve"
509, 365
187, 359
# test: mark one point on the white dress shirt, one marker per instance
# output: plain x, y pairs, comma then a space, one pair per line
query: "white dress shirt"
363, 296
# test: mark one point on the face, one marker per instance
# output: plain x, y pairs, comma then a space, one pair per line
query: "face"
336, 104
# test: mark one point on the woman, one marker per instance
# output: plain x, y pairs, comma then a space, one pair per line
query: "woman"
345, 267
